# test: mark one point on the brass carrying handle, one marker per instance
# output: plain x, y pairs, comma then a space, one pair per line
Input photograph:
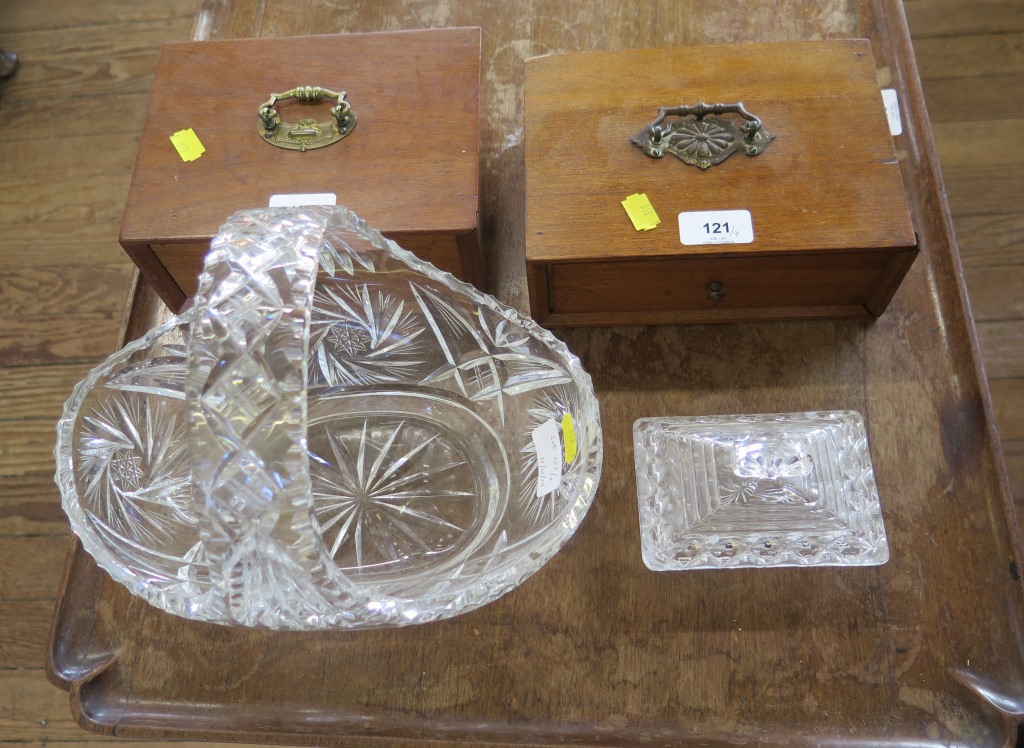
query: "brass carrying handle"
703, 141
307, 133
701, 110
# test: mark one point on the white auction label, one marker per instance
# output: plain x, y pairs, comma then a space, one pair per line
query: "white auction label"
548, 444
716, 227
892, 111
299, 200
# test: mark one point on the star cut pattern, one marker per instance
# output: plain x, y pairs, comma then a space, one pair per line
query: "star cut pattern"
389, 491
361, 334
485, 359
126, 470
139, 474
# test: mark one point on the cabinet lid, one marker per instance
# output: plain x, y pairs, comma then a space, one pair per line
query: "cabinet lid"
829, 181
410, 164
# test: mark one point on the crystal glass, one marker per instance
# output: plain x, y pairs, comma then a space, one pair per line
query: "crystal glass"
784, 489
336, 435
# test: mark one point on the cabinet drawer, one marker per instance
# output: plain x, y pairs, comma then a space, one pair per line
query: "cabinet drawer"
455, 254
850, 284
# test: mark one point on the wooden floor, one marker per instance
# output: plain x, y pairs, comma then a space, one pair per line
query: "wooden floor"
71, 119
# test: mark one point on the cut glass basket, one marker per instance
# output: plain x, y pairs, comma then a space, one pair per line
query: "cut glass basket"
379, 445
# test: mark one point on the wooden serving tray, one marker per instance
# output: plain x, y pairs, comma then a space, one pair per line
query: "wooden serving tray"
595, 649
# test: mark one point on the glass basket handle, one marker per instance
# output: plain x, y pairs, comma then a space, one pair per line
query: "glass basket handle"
246, 399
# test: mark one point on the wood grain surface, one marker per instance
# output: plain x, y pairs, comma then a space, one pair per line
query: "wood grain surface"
410, 166
72, 117
96, 61
985, 94
829, 182
595, 648
826, 189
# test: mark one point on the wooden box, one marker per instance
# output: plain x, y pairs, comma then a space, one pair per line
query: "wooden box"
409, 167
831, 225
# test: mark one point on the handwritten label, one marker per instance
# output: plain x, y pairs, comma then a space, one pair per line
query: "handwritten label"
641, 212
892, 111
187, 144
569, 438
548, 446
716, 227
307, 198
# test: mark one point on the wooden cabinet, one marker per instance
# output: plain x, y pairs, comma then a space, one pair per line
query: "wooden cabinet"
832, 235
409, 167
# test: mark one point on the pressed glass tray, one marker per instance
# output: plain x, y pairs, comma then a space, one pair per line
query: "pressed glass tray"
783, 489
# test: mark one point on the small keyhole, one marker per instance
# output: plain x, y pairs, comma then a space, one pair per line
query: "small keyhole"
715, 292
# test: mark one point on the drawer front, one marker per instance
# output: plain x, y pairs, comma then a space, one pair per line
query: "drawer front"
184, 262
717, 289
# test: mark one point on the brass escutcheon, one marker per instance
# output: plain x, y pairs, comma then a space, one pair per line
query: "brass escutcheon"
703, 141
307, 133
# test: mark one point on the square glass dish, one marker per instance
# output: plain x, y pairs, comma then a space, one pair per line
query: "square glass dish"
780, 489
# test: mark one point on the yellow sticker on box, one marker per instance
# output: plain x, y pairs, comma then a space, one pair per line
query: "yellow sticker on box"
569, 437
641, 212
187, 144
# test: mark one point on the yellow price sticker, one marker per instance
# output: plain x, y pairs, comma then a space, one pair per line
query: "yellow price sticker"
569, 437
187, 144
641, 212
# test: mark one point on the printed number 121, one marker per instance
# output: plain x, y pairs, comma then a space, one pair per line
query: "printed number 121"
716, 228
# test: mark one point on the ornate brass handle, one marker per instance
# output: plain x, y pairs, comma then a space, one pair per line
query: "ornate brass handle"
703, 141
307, 133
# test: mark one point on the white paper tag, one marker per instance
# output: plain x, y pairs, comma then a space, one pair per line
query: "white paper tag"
716, 227
308, 198
548, 445
892, 111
